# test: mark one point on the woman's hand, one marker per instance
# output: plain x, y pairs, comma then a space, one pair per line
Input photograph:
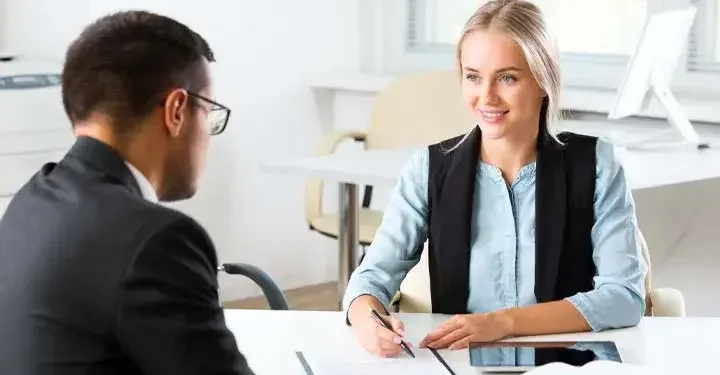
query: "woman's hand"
459, 331
377, 339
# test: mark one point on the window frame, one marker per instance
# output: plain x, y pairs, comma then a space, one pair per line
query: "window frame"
385, 40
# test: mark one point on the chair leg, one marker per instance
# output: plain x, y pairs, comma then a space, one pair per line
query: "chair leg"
395, 307
362, 254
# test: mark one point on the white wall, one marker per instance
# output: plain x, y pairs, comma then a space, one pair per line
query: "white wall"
266, 51
2, 25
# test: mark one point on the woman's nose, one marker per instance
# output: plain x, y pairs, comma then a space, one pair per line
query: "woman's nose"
488, 94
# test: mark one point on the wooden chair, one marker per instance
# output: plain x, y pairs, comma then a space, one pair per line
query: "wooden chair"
413, 111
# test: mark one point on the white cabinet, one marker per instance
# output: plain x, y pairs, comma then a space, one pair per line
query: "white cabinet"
4, 202
33, 126
23, 153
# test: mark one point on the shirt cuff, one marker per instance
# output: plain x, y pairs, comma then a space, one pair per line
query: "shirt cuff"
351, 296
582, 304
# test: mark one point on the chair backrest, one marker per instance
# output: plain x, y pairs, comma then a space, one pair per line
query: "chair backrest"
418, 109
415, 288
648, 276
415, 110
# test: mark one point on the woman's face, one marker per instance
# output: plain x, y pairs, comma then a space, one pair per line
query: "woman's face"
498, 86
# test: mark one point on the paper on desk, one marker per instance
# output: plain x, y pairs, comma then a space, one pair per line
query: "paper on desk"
334, 363
596, 368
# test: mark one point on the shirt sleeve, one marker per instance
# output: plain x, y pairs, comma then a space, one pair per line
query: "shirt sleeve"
397, 243
618, 298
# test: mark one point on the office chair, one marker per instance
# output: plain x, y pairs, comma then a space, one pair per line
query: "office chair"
274, 295
414, 293
413, 111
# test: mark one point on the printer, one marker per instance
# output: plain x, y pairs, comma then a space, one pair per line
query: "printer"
30, 95
33, 126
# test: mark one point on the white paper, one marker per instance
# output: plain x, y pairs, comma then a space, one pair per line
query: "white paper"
596, 368
358, 363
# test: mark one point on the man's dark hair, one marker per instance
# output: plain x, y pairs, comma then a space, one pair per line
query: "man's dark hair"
123, 64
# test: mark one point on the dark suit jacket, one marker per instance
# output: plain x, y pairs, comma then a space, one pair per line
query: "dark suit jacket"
96, 280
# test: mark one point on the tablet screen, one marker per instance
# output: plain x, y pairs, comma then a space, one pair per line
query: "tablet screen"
523, 356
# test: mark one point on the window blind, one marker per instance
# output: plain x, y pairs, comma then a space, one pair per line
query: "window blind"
704, 40
413, 17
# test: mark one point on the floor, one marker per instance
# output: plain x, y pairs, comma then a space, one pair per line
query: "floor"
321, 297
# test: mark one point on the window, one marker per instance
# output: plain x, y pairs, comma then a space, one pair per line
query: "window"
704, 43
595, 38
573, 22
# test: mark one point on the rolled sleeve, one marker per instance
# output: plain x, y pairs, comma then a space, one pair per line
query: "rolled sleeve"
618, 298
398, 241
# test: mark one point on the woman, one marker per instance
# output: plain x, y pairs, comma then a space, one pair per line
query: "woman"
480, 198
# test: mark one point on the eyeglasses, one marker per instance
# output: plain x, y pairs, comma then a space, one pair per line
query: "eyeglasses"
218, 115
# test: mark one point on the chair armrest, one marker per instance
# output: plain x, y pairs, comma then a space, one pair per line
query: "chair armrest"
667, 302
273, 294
332, 140
314, 187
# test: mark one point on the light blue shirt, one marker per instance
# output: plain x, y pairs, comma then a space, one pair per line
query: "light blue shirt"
502, 258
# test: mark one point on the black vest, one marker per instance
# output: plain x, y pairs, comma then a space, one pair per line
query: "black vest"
564, 216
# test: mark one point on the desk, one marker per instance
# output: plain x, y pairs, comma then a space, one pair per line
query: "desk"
269, 340
644, 170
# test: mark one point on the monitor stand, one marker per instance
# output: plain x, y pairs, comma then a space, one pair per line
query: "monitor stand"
678, 120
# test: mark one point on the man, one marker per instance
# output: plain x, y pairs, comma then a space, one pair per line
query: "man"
95, 277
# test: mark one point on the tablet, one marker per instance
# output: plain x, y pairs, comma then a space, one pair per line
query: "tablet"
518, 357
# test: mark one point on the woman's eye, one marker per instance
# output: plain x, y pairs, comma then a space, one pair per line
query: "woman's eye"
472, 77
506, 78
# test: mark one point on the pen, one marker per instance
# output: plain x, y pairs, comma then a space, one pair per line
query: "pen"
385, 324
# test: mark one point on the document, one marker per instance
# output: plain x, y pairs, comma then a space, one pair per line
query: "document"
360, 363
596, 368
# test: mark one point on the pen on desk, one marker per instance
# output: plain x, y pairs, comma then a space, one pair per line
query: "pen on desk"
387, 325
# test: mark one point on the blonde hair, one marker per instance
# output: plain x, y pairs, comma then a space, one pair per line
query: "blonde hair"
523, 22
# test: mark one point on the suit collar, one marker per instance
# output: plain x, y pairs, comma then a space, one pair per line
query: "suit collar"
105, 159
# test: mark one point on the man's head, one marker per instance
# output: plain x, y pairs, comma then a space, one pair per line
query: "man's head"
140, 82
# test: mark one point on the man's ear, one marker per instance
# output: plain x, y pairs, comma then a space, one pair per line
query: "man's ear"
174, 111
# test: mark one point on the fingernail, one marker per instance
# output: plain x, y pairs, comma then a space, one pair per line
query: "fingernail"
401, 332
396, 340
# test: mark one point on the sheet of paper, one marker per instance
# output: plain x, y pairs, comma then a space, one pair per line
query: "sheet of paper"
596, 368
359, 363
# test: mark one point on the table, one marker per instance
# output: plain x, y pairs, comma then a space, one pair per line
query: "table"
644, 169
269, 340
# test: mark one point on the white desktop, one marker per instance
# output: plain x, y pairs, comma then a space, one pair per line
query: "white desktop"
649, 75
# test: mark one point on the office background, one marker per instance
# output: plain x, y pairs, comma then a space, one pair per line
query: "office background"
278, 60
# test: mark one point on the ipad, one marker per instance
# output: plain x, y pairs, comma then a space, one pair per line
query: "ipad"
519, 357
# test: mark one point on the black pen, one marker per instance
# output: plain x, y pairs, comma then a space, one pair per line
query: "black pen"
385, 324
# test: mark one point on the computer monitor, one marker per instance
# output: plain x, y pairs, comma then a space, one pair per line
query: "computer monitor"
650, 73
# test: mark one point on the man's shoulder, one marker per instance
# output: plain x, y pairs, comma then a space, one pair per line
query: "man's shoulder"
158, 220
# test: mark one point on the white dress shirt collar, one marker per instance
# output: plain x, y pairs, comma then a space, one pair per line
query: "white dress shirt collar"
146, 188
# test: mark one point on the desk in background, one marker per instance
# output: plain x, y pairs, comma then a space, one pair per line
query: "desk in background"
644, 170
269, 339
